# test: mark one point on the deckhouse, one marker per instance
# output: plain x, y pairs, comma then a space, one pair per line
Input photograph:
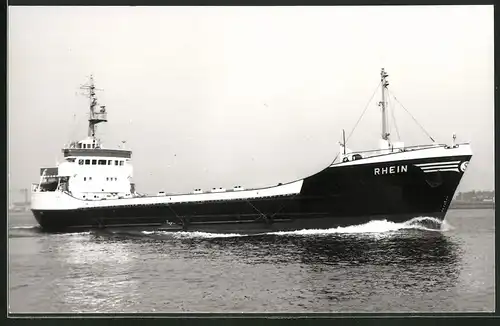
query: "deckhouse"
90, 171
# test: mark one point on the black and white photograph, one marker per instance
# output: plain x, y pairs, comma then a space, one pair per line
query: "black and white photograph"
250, 159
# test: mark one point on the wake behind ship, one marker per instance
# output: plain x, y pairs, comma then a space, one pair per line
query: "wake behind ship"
93, 188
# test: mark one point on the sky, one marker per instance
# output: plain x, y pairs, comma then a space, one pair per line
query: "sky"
222, 96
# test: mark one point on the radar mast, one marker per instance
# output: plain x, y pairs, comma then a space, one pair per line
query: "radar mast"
95, 116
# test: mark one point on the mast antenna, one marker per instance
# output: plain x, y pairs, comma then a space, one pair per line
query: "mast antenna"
343, 140
95, 117
383, 104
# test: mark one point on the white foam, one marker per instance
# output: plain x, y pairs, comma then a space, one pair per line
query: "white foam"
195, 234
25, 227
372, 227
445, 226
72, 234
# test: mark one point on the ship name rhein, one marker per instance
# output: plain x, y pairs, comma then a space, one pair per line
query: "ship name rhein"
391, 170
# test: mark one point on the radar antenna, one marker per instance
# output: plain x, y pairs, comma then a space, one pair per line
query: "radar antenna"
95, 117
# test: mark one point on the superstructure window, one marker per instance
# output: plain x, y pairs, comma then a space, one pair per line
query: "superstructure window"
102, 162
84, 178
94, 162
87, 162
80, 162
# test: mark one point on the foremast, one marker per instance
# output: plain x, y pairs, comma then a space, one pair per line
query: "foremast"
95, 116
383, 106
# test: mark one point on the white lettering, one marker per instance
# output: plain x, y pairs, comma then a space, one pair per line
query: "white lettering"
391, 170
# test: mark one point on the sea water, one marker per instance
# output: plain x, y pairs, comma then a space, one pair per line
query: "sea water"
375, 267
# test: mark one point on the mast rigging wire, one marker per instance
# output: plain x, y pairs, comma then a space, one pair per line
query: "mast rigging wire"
391, 105
357, 122
393, 117
423, 129
362, 114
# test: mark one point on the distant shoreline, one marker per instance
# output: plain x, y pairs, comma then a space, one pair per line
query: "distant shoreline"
472, 205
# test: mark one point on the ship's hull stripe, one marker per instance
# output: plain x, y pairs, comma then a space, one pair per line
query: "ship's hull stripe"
438, 163
441, 170
437, 167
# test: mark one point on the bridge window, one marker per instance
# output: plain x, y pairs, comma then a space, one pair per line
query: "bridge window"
121, 162
116, 162
80, 162
110, 162
102, 162
94, 162
87, 162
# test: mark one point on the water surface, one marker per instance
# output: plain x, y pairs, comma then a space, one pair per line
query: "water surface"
376, 267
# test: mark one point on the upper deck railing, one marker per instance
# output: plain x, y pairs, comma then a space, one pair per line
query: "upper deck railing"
392, 150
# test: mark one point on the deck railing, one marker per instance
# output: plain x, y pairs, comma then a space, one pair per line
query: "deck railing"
391, 150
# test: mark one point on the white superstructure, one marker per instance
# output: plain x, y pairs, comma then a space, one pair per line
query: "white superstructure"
89, 171
92, 175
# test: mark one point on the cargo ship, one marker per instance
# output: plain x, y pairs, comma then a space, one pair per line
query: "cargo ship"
93, 188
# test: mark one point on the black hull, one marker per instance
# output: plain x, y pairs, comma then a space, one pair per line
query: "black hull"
337, 196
